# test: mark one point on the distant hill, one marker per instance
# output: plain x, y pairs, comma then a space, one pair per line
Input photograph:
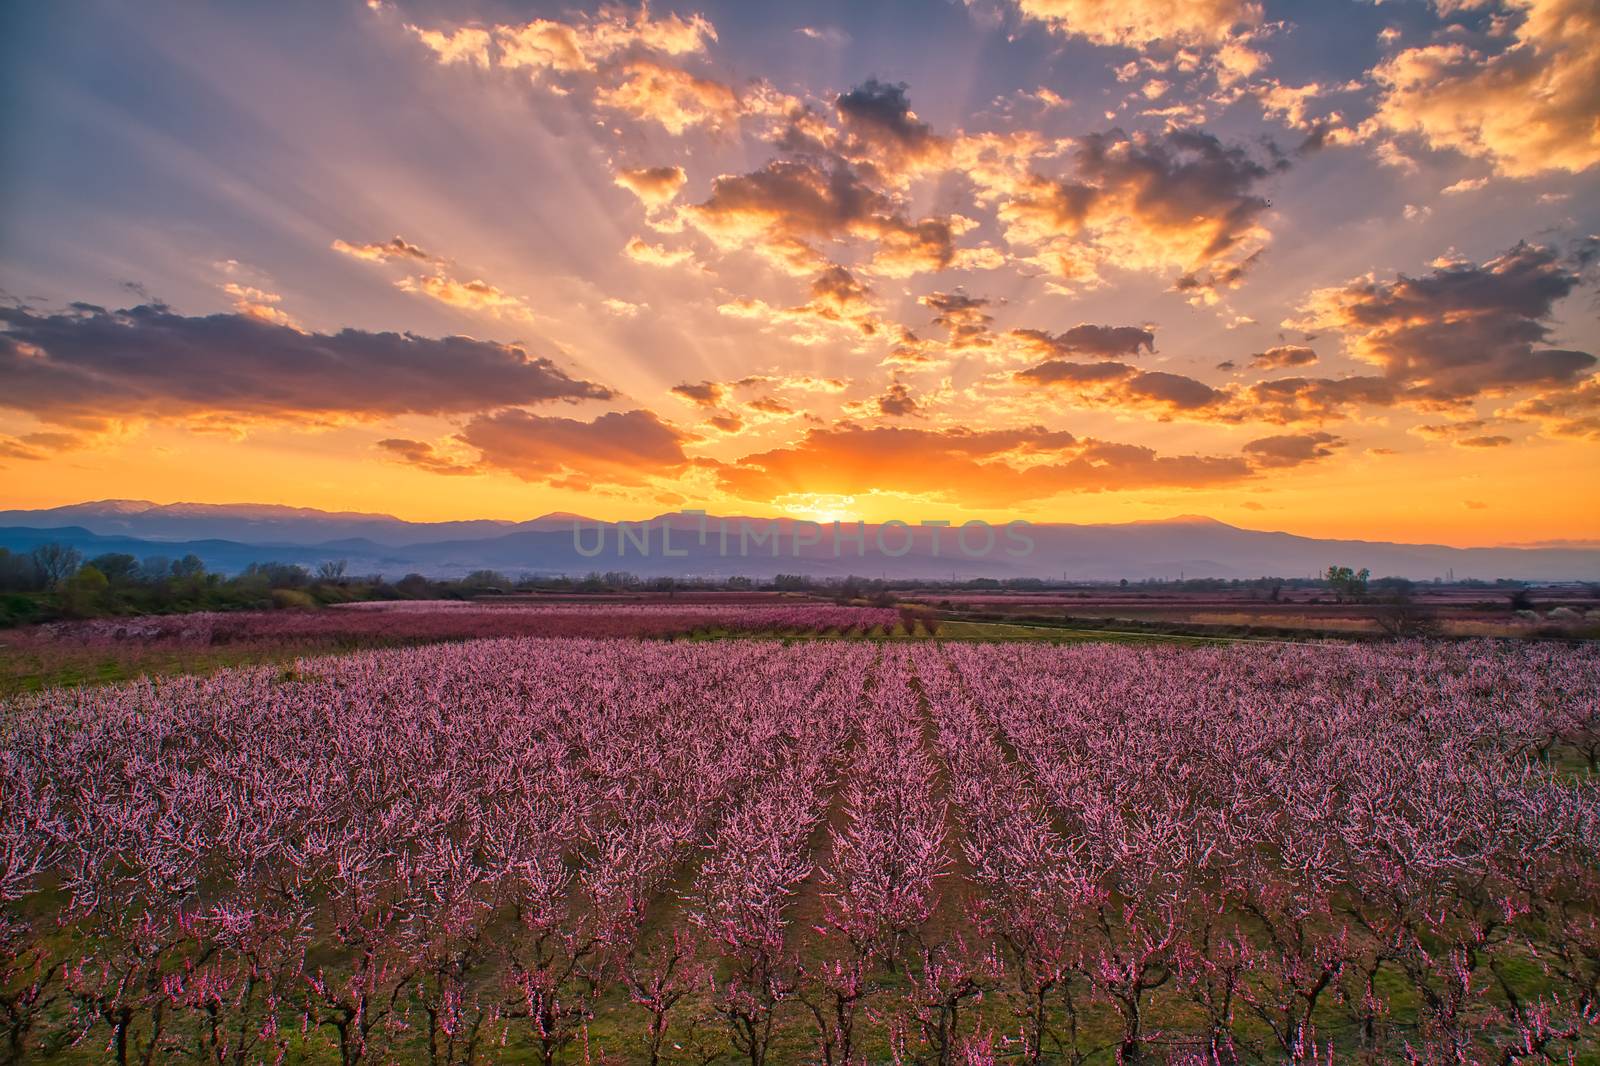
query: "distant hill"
253, 523
228, 537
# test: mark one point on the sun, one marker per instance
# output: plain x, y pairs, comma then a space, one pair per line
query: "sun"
817, 507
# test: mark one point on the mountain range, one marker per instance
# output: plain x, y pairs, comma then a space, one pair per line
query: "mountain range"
228, 537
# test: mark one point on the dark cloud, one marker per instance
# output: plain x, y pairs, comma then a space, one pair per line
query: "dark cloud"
32, 447
1284, 355
767, 405
1060, 371
422, 454
963, 317
1317, 399
791, 197
1109, 383
881, 128
1569, 413
88, 365
1222, 276
897, 401
1175, 390
881, 111
1292, 449
906, 248
839, 296
1179, 200
1461, 330
1315, 141
705, 394
786, 205
1177, 178
1086, 339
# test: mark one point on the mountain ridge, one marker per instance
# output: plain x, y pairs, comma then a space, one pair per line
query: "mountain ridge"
228, 537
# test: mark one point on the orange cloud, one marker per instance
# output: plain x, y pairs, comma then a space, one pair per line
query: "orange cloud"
468, 45
994, 468
1117, 385
258, 303
781, 209
37, 447
1293, 449
838, 298
641, 251
674, 99
1283, 356
568, 47
768, 406
1570, 413
618, 448
476, 295
1142, 23
654, 186
962, 317
383, 251
1181, 202
424, 456
1528, 109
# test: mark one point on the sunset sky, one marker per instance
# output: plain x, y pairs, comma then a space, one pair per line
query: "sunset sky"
1327, 267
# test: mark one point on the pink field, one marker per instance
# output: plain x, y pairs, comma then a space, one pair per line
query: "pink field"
430, 620
610, 850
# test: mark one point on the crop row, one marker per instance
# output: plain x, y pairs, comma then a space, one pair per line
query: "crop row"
574, 850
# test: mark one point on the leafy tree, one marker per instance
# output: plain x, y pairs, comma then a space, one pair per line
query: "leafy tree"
84, 593
1346, 582
119, 569
414, 587
486, 579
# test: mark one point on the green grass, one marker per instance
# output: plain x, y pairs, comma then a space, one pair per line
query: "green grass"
1003, 631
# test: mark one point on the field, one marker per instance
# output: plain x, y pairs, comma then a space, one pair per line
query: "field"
68, 653
1295, 613
616, 850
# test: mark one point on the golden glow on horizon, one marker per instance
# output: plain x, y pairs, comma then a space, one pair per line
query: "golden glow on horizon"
1054, 289
1505, 497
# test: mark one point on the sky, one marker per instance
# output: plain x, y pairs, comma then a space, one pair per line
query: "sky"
1325, 267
